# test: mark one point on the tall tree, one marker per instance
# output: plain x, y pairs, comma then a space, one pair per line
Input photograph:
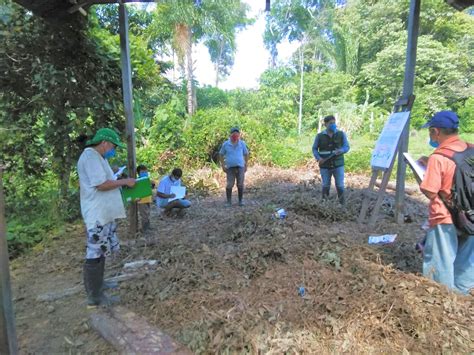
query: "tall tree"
294, 19
220, 40
57, 83
188, 22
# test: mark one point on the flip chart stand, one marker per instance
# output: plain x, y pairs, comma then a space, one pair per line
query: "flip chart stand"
402, 105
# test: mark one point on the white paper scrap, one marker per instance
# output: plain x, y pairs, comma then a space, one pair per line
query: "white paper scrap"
140, 263
382, 239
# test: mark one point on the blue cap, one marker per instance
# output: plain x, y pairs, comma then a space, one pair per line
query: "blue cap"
443, 119
234, 129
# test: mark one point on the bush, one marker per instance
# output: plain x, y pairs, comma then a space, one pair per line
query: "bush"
466, 116
208, 129
210, 96
22, 235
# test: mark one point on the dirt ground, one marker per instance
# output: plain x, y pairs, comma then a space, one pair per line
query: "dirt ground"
228, 278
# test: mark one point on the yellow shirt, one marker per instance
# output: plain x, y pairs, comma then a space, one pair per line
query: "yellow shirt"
145, 200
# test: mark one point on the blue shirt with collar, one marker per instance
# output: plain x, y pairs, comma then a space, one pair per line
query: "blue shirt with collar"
234, 153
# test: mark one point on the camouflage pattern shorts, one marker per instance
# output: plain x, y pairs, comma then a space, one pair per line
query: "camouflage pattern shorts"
102, 240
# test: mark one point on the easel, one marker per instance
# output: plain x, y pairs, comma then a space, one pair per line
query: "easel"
402, 105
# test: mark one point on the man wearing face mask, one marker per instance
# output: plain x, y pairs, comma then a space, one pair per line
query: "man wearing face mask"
329, 148
448, 257
233, 157
101, 204
164, 193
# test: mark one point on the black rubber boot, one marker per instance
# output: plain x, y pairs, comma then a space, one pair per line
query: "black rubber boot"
340, 195
93, 279
106, 285
325, 192
228, 193
240, 191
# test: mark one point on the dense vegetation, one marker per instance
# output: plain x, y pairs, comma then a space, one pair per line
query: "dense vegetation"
59, 83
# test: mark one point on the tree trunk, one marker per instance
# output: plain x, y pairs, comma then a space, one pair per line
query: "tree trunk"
218, 61
189, 75
300, 112
132, 334
62, 154
64, 179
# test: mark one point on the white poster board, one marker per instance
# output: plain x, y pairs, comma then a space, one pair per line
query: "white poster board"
386, 146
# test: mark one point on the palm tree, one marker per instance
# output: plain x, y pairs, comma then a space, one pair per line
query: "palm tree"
188, 22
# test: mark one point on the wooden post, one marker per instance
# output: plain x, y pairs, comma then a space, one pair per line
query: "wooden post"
367, 193
128, 107
408, 84
8, 344
320, 120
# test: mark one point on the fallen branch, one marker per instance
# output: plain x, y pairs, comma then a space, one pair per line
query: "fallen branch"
131, 334
392, 186
53, 296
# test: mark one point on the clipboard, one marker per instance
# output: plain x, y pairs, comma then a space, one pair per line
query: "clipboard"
141, 189
179, 191
418, 169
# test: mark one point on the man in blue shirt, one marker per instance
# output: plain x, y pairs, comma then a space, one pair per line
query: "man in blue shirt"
329, 148
164, 193
233, 157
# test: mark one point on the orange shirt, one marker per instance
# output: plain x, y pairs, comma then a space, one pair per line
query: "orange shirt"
439, 178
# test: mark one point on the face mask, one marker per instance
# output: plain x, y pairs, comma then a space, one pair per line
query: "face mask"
332, 127
434, 144
173, 179
109, 154
143, 174
234, 137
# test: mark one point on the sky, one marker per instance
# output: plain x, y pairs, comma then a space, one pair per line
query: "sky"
251, 58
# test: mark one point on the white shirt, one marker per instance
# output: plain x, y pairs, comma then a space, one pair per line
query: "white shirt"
97, 206
165, 186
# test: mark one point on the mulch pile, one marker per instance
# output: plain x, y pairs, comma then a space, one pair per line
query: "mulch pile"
239, 280
229, 279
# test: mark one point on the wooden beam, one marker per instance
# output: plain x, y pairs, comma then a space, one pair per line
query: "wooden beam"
128, 107
8, 343
53, 296
86, 3
408, 84
79, 7
131, 334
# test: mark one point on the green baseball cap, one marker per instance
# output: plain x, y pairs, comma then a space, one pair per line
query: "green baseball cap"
106, 134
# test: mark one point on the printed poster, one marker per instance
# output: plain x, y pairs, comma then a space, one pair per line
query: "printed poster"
386, 146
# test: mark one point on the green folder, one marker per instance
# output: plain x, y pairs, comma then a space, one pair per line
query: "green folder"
141, 189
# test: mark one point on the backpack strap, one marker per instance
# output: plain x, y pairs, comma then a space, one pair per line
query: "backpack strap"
449, 153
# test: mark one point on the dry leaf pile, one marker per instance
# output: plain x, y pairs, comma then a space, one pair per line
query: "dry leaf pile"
230, 279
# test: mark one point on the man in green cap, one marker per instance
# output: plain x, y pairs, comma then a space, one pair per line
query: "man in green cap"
101, 204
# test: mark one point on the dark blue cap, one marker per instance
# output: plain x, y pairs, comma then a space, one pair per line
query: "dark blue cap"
234, 129
443, 119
